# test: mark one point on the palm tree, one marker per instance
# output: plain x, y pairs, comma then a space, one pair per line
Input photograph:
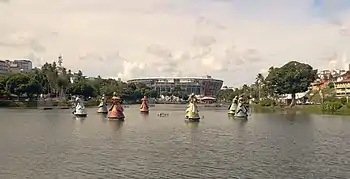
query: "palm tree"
259, 81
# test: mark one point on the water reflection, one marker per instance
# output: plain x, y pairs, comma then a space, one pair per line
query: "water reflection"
81, 119
144, 115
103, 117
264, 146
242, 121
192, 125
116, 125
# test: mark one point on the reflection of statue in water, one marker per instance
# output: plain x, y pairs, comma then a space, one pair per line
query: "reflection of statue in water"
192, 112
79, 109
233, 106
102, 107
116, 112
242, 108
116, 125
144, 108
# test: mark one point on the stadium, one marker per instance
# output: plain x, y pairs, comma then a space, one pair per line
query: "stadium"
205, 86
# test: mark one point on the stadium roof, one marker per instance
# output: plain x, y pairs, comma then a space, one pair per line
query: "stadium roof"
175, 77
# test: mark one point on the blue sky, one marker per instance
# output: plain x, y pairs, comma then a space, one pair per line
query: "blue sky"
229, 39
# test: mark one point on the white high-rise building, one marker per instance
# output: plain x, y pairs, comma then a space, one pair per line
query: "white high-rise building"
24, 65
4, 67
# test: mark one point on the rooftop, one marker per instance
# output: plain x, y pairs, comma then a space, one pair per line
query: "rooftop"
344, 81
175, 77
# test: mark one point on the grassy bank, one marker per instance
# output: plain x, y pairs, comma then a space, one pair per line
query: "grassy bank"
309, 109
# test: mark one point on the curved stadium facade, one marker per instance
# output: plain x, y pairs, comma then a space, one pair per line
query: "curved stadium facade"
206, 86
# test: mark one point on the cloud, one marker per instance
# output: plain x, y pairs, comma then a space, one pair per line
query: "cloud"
4, 1
230, 40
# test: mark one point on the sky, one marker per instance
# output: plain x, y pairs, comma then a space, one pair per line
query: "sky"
232, 40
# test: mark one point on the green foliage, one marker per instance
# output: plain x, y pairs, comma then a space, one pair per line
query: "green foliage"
343, 100
267, 103
331, 85
82, 89
226, 95
331, 106
53, 81
348, 105
293, 77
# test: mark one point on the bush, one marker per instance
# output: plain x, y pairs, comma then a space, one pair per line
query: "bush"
331, 99
331, 85
267, 102
331, 106
343, 100
348, 105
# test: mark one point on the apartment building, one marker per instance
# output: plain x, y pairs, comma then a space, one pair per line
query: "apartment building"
342, 88
16, 66
4, 67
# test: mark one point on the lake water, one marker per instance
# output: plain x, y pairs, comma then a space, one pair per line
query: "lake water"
52, 144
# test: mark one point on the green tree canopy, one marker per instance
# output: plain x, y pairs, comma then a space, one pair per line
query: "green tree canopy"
291, 78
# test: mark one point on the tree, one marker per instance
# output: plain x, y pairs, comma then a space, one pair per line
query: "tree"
32, 87
259, 80
292, 78
16, 84
82, 89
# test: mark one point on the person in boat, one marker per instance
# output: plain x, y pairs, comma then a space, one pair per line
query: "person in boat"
116, 111
144, 108
192, 111
102, 107
233, 106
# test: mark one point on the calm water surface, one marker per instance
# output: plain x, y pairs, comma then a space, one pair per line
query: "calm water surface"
52, 144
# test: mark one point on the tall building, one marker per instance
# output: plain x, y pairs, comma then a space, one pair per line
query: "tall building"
15, 66
206, 86
24, 65
4, 67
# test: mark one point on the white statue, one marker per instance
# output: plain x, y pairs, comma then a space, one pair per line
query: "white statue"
233, 106
241, 110
79, 110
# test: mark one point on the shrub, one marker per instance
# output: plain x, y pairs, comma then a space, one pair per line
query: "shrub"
267, 102
343, 100
331, 106
330, 99
331, 85
348, 105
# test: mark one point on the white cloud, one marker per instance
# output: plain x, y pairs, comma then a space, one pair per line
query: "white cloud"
231, 40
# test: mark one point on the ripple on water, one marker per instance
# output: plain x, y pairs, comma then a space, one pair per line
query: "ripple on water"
49, 144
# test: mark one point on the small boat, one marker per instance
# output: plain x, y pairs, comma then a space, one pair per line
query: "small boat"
162, 114
115, 119
47, 108
44, 103
192, 120
80, 115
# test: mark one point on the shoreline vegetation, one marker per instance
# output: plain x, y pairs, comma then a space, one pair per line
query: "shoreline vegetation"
306, 109
21, 90
288, 89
